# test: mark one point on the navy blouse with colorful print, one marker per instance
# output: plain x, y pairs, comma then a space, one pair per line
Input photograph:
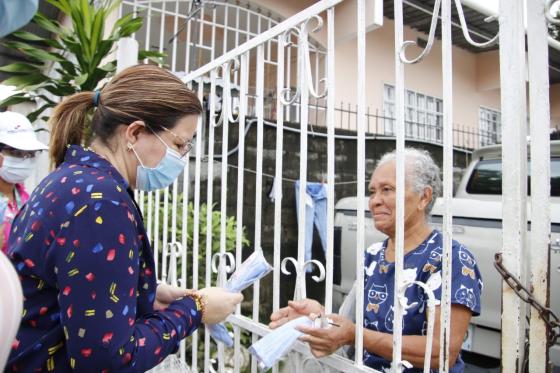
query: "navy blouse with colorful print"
87, 271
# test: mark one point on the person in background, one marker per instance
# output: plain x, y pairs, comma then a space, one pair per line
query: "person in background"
18, 150
423, 253
91, 300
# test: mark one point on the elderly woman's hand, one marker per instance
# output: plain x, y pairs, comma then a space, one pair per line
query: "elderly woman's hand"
295, 309
325, 341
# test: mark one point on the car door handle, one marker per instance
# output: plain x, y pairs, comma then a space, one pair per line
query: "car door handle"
555, 246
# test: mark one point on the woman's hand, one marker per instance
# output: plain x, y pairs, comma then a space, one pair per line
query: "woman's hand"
295, 309
166, 294
325, 341
220, 303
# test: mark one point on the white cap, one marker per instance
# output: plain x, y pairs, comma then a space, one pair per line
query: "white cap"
16, 131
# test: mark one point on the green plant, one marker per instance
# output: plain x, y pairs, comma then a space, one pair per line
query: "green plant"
74, 55
176, 235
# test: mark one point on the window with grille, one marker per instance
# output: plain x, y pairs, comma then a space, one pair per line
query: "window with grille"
423, 114
490, 126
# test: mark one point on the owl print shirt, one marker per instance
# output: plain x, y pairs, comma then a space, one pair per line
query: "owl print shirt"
421, 264
87, 272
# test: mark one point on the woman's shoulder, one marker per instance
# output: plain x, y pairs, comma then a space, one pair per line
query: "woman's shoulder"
78, 182
459, 252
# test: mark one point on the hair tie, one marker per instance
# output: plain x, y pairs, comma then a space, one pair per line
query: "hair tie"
96, 96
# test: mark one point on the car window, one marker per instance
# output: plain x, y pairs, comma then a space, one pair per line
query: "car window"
487, 177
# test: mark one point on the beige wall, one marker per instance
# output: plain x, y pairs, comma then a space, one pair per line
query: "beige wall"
476, 79
424, 77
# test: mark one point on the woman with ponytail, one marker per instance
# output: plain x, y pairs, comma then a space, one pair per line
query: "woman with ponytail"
87, 269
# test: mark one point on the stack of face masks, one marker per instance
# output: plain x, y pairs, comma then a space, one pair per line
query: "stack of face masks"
277, 343
251, 270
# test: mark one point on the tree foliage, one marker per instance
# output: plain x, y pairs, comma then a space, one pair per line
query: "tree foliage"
72, 60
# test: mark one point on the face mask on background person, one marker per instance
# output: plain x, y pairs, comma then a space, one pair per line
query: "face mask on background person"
164, 174
15, 170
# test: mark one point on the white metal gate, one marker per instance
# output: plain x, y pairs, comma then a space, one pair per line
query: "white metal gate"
275, 64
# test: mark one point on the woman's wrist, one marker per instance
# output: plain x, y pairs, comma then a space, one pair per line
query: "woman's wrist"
200, 302
351, 335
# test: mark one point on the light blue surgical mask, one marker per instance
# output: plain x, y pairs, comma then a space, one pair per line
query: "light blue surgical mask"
164, 174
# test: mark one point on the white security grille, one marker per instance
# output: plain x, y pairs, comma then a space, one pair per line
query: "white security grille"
255, 63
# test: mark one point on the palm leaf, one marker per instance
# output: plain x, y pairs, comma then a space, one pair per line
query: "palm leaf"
15, 99
20, 68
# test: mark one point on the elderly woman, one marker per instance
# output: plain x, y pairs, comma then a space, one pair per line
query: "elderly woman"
422, 262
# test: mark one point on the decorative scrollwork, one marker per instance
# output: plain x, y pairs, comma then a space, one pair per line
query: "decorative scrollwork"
220, 260
319, 24
170, 253
547, 11
227, 103
432, 33
304, 60
300, 269
465, 28
429, 44
432, 302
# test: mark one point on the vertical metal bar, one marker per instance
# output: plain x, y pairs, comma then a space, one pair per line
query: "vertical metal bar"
361, 145
188, 44
209, 200
288, 76
277, 191
175, 28
514, 181
300, 291
244, 82
330, 159
213, 41
278, 175
140, 200
269, 42
174, 211
258, 186
317, 81
400, 175
196, 221
184, 242
148, 28
236, 74
150, 215
162, 27
165, 234
447, 49
223, 202
155, 242
539, 114
226, 21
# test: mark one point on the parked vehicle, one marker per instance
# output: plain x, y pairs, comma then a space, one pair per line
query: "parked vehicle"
477, 224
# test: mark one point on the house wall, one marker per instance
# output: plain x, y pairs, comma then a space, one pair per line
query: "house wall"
476, 77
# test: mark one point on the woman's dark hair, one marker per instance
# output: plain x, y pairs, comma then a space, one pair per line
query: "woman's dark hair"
142, 92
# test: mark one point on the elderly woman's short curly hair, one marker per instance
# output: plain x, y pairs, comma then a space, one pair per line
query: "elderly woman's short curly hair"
421, 171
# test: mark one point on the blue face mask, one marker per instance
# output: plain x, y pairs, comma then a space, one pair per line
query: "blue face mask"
161, 176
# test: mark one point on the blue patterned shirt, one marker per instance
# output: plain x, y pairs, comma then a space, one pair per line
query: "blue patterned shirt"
87, 271
422, 264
